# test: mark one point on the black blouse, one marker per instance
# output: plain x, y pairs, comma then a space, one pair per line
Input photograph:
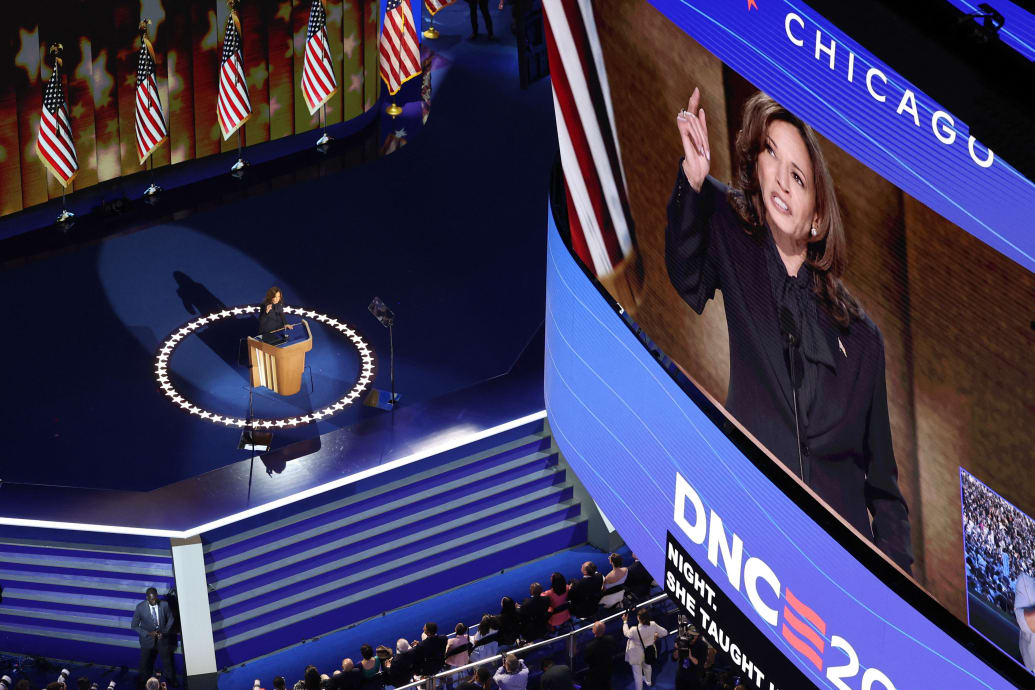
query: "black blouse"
272, 320
846, 450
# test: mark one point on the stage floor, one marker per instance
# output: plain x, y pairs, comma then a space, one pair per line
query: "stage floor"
449, 230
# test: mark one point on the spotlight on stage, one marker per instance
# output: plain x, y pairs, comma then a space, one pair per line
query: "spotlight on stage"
255, 440
378, 398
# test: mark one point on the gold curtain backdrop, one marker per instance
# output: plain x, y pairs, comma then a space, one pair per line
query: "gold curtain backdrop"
101, 41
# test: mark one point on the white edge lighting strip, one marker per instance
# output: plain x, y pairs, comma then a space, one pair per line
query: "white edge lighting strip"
165, 353
257, 510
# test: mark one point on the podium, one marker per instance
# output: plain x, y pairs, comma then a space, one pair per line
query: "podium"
279, 366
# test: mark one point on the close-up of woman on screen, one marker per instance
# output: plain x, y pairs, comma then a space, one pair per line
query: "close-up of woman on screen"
807, 369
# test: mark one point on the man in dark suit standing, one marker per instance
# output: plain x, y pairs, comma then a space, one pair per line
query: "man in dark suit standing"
638, 582
153, 622
431, 651
404, 664
585, 594
600, 657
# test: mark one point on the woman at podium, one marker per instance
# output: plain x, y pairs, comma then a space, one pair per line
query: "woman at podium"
271, 315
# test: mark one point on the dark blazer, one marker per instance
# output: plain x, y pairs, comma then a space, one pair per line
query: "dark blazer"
846, 448
431, 652
638, 581
534, 615
348, 680
600, 657
557, 677
273, 320
143, 624
585, 594
404, 665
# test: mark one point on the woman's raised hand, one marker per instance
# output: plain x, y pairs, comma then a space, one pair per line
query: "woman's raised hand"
693, 131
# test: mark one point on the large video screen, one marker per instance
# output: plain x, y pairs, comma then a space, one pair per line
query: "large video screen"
829, 259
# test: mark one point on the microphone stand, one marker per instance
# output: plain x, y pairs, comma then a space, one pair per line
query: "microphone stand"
792, 351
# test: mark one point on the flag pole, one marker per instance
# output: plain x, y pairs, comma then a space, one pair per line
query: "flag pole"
326, 138
238, 168
154, 188
431, 32
65, 214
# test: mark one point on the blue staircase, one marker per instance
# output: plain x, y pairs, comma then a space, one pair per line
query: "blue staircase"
411, 534
74, 600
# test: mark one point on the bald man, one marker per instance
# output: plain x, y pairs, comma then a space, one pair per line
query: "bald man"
600, 656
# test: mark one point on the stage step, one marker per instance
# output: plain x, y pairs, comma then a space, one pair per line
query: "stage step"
409, 537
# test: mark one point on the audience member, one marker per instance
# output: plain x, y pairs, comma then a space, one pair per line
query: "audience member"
509, 625
512, 675
691, 656
431, 650
312, 678
557, 595
600, 655
485, 639
638, 582
535, 614
151, 684
481, 679
614, 583
369, 666
458, 648
584, 594
555, 676
82, 683
350, 677
640, 639
280, 684
404, 664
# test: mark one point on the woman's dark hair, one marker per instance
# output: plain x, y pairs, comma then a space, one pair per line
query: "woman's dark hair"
535, 589
558, 584
643, 615
826, 252
279, 683
366, 651
312, 678
460, 629
616, 560
485, 625
507, 607
270, 294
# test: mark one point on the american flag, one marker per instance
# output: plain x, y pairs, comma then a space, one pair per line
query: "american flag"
318, 83
150, 121
54, 143
598, 208
233, 107
435, 5
399, 47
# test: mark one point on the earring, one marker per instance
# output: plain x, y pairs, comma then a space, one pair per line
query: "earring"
813, 231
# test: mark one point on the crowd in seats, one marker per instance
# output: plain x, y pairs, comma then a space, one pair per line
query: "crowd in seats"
999, 543
542, 614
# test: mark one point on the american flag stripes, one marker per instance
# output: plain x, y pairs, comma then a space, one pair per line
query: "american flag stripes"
400, 60
54, 143
435, 5
233, 108
150, 121
599, 215
318, 82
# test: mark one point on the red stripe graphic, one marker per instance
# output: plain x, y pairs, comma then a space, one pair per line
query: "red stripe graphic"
802, 648
806, 613
804, 630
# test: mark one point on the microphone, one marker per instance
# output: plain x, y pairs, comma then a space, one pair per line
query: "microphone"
790, 333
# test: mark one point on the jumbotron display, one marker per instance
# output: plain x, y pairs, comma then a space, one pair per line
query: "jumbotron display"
825, 283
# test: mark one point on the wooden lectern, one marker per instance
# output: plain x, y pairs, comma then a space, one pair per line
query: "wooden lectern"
279, 367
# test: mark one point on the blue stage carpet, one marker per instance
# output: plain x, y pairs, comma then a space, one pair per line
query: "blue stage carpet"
449, 231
